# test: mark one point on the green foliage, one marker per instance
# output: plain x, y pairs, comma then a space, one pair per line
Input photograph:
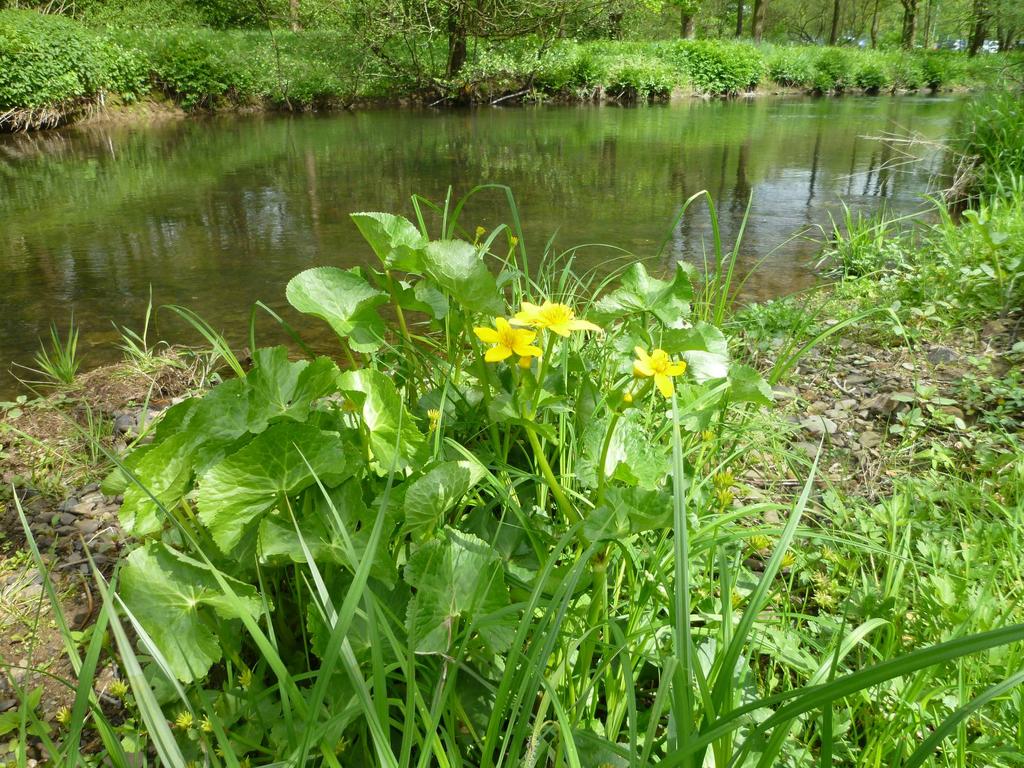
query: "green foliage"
638, 78
992, 141
59, 360
832, 70
791, 67
870, 76
719, 68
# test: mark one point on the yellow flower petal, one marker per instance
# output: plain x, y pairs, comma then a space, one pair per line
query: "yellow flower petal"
664, 384
497, 354
527, 351
525, 362
676, 369
528, 314
583, 325
486, 335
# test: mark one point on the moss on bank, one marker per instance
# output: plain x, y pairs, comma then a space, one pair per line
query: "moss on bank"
53, 70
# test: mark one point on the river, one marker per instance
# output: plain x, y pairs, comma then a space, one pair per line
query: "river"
215, 213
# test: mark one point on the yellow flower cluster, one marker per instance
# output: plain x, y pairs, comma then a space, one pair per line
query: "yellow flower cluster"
515, 337
659, 366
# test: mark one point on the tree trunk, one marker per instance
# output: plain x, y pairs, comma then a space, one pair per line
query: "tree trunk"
874, 26
293, 13
909, 23
686, 25
739, 18
980, 15
757, 25
833, 35
458, 48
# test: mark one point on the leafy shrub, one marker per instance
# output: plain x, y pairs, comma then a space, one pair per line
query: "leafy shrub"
46, 61
637, 78
198, 69
935, 70
125, 70
720, 68
870, 76
906, 72
791, 67
832, 70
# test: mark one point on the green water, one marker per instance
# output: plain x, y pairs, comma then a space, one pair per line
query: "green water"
217, 213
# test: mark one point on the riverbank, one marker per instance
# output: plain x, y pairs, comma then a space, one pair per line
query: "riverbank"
63, 71
852, 494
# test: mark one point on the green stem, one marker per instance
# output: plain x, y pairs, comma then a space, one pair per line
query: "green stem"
597, 619
485, 381
571, 516
605, 447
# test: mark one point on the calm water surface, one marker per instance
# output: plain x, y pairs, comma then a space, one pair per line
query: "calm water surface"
218, 213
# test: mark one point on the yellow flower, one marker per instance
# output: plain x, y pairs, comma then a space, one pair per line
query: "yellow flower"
507, 341
435, 419
513, 241
525, 362
63, 716
627, 397
724, 479
245, 678
119, 689
659, 365
480, 232
184, 720
557, 318
206, 726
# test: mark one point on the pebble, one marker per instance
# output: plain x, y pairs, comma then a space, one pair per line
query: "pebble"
857, 378
870, 440
941, 355
819, 425
817, 408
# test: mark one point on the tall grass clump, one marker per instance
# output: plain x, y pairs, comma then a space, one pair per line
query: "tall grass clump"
508, 525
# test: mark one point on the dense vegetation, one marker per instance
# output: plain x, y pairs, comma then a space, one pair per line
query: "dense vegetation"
532, 517
54, 68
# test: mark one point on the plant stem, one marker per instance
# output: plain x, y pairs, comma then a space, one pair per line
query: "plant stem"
605, 446
571, 516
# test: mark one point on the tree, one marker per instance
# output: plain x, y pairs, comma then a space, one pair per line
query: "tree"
833, 34
981, 15
739, 18
757, 25
909, 23
687, 12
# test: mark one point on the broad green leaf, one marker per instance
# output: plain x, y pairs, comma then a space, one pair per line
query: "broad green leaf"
279, 388
165, 472
458, 268
421, 297
280, 462
177, 601
633, 458
458, 581
638, 292
432, 495
320, 532
394, 438
626, 511
703, 347
344, 299
747, 386
213, 425
395, 239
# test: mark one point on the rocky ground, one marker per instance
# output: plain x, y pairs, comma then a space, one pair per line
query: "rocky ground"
52, 457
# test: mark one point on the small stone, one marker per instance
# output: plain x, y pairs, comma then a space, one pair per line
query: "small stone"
125, 424
817, 408
907, 366
941, 355
67, 518
870, 440
68, 504
819, 425
87, 527
846, 404
783, 392
857, 378
953, 411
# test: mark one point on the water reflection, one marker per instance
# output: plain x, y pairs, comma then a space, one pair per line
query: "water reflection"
217, 213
